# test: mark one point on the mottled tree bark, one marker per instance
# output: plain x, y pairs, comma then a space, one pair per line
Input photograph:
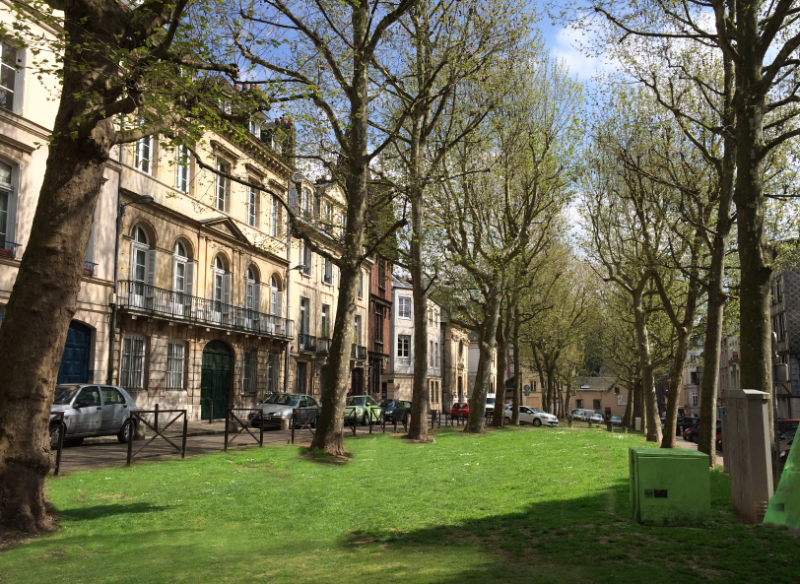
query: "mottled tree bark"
486, 343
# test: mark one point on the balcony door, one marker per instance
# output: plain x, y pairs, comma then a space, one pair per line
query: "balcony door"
222, 292
252, 300
182, 281
305, 311
143, 268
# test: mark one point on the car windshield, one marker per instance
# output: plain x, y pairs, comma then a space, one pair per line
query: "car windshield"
64, 393
282, 399
536, 410
356, 401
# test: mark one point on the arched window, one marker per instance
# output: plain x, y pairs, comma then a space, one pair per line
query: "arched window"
252, 290
142, 267
182, 275
275, 297
222, 289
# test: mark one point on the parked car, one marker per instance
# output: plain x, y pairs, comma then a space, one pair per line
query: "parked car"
693, 434
596, 418
580, 415
366, 409
460, 410
616, 420
684, 424
533, 416
490, 398
91, 410
395, 405
280, 406
788, 427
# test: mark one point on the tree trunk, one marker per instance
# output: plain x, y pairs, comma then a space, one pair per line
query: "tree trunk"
517, 400
653, 427
486, 341
551, 391
418, 430
627, 421
44, 298
498, 417
755, 253
330, 426
540, 370
675, 389
706, 440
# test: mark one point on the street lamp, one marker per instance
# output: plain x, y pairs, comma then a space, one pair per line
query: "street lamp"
112, 334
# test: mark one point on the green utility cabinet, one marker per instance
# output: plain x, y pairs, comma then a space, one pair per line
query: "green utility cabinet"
669, 486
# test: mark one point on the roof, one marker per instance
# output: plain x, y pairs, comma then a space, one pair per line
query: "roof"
594, 383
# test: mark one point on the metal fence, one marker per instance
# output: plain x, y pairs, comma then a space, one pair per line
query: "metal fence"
138, 416
230, 417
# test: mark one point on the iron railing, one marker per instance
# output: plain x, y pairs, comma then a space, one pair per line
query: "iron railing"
358, 352
324, 345
88, 268
8, 249
139, 297
307, 343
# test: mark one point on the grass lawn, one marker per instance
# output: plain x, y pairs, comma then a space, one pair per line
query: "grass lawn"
517, 505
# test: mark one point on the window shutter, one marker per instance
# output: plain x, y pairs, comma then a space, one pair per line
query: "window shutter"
132, 266
151, 267
278, 309
175, 263
257, 297
227, 281
11, 218
189, 279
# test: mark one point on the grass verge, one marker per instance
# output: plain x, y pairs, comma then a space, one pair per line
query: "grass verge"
517, 505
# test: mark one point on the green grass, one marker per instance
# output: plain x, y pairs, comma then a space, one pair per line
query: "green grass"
532, 505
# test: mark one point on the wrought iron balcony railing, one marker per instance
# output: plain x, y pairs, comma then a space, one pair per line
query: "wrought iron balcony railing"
139, 297
358, 352
8, 249
324, 345
307, 343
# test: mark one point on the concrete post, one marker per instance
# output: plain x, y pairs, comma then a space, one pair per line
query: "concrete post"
747, 451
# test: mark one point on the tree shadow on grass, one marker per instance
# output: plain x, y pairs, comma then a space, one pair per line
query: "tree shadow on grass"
594, 539
102, 511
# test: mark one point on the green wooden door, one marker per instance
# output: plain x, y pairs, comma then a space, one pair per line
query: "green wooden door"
215, 381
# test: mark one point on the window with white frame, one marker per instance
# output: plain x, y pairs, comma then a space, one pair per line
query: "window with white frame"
361, 283
143, 159
404, 307
327, 271
305, 258
249, 371
8, 76
275, 297
223, 186
252, 207
131, 375
694, 400
357, 330
182, 169
404, 349
255, 128
176, 356
8, 207
325, 322
328, 220
277, 214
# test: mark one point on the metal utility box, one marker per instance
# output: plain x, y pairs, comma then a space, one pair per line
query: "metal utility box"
669, 486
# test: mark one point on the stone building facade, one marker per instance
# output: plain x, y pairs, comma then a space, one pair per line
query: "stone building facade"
455, 349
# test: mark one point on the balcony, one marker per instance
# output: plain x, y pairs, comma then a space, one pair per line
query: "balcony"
323, 346
307, 343
8, 249
358, 352
136, 297
88, 268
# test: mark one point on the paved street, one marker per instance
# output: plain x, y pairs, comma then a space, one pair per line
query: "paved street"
106, 452
692, 446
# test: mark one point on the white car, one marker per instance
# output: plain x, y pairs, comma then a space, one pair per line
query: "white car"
597, 418
581, 415
533, 416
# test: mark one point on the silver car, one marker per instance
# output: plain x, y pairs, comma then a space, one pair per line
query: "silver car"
597, 419
280, 406
91, 410
533, 416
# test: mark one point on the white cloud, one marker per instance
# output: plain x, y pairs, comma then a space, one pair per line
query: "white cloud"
567, 48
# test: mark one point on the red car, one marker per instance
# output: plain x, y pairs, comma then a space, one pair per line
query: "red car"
460, 410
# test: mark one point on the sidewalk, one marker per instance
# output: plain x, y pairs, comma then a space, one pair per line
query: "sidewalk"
681, 443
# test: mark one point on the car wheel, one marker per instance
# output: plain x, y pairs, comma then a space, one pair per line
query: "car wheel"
693, 438
124, 433
537, 422
55, 435
364, 419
